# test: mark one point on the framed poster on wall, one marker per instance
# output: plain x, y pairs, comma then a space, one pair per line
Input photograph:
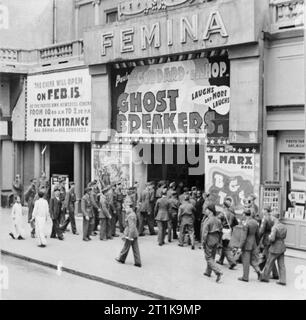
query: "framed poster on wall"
297, 174
111, 164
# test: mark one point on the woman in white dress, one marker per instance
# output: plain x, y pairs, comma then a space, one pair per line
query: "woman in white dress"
40, 215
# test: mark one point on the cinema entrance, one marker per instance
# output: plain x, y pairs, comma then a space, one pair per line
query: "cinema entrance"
182, 162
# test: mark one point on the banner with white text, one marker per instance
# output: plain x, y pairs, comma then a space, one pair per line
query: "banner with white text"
59, 107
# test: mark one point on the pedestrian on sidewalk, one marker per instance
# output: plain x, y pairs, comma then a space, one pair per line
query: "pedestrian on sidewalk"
264, 233
173, 213
130, 235
55, 214
161, 211
18, 187
186, 221
69, 206
17, 229
249, 246
29, 198
88, 215
276, 251
228, 221
211, 238
105, 217
40, 216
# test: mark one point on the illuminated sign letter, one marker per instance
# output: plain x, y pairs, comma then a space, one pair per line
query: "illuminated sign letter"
187, 28
214, 25
149, 36
106, 41
126, 39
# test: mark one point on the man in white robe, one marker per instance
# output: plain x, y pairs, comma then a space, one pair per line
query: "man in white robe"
40, 215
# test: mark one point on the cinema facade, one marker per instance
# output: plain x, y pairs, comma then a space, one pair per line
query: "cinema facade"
179, 85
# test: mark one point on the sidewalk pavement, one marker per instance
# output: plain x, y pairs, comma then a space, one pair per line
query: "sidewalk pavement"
168, 271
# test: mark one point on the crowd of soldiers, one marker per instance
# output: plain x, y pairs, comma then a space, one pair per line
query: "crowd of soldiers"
187, 215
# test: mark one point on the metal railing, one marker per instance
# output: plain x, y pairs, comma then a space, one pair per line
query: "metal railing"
286, 14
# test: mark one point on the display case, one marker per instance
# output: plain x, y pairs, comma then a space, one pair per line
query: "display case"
271, 196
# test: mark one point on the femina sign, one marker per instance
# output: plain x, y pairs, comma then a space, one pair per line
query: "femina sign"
178, 30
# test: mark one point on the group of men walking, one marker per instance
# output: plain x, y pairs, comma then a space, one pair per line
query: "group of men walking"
170, 207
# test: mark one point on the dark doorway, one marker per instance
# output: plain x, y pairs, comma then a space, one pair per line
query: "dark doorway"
175, 171
61, 159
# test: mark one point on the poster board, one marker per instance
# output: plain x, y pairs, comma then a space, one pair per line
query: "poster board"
271, 196
234, 175
111, 164
55, 180
297, 174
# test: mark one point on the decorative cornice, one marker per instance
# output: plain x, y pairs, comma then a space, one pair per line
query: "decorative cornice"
130, 8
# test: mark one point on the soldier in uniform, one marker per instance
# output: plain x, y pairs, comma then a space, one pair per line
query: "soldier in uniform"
88, 216
95, 206
146, 210
130, 235
198, 215
211, 237
55, 214
29, 198
173, 213
186, 221
161, 212
62, 197
171, 190
69, 206
248, 246
229, 221
276, 251
119, 197
105, 217
182, 196
264, 233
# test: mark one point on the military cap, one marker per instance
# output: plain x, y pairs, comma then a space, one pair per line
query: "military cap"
212, 208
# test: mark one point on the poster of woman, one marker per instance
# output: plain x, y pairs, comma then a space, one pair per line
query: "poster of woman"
297, 174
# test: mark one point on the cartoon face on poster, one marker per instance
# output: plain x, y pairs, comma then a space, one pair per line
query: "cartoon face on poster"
171, 99
111, 166
234, 175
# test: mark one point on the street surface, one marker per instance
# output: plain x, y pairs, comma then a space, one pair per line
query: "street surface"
169, 271
34, 282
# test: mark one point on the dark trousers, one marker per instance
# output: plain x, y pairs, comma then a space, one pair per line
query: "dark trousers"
197, 229
70, 219
174, 226
105, 229
144, 218
189, 229
272, 258
227, 253
114, 220
126, 248
62, 217
96, 219
265, 255
120, 219
210, 254
88, 227
249, 258
56, 230
162, 227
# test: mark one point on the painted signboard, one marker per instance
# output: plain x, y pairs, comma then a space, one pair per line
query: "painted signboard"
59, 107
182, 98
234, 175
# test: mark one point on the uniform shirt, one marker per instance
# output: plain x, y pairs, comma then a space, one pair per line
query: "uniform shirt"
86, 206
212, 230
250, 235
265, 230
162, 209
130, 230
277, 238
186, 213
104, 213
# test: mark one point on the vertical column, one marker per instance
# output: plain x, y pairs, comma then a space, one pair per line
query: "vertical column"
96, 4
76, 21
37, 158
77, 165
270, 161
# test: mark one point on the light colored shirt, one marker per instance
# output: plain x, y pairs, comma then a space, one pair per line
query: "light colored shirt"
41, 208
17, 211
